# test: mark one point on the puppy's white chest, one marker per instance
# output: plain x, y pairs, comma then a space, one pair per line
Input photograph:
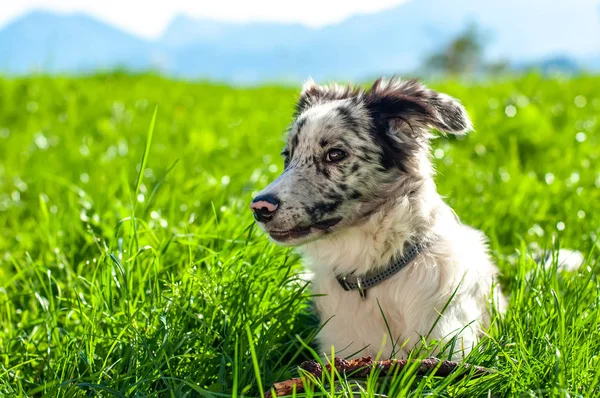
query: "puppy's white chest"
357, 326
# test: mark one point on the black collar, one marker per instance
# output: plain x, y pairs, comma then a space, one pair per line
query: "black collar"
375, 277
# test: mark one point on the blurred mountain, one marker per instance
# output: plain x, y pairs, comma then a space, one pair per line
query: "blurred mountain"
558, 64
68, 43
395, 40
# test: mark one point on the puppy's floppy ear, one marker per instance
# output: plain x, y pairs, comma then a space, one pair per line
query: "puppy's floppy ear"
409, 102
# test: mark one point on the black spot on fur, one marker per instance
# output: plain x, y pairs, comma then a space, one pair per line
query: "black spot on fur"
354, 195
365, 157
355, 167
321, 169
323, 142
343, 187
334, 196
320, 210
348, 118
299, 124
286, 158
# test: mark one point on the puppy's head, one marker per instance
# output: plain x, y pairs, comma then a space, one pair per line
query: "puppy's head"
349, 151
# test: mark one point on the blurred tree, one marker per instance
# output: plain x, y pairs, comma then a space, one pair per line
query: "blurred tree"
497, 68
464, 55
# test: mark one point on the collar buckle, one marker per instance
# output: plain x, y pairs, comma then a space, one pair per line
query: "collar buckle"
361, 291
343, 283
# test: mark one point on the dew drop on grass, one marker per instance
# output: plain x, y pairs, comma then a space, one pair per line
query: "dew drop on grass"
41, 141
574, 177
510, 111
522, 101
141, 197
549, 177
273, 168
122, 148
536, 230
154, 215
480, 149
589, 124
580, 101
560, 226
255, 176
225, 180
84, 177
20, 184
148, 173
580, 137
111, 153
15, 196
163, 223
581, 214
438, 153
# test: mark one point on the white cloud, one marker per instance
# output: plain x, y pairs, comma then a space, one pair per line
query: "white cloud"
149, 18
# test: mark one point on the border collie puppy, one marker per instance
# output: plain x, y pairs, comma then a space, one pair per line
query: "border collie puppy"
393, 266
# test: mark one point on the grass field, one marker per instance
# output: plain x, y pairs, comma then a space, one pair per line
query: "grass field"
192, 300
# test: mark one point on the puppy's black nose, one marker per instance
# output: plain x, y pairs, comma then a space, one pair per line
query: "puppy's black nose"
264, 207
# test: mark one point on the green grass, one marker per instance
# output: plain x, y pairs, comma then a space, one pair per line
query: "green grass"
190, 299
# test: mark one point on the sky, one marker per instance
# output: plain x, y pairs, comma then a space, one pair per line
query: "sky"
149, 18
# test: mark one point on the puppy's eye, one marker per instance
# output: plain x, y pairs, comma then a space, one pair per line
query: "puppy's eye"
335, 155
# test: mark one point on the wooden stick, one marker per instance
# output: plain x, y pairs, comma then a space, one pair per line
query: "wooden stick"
362, 367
